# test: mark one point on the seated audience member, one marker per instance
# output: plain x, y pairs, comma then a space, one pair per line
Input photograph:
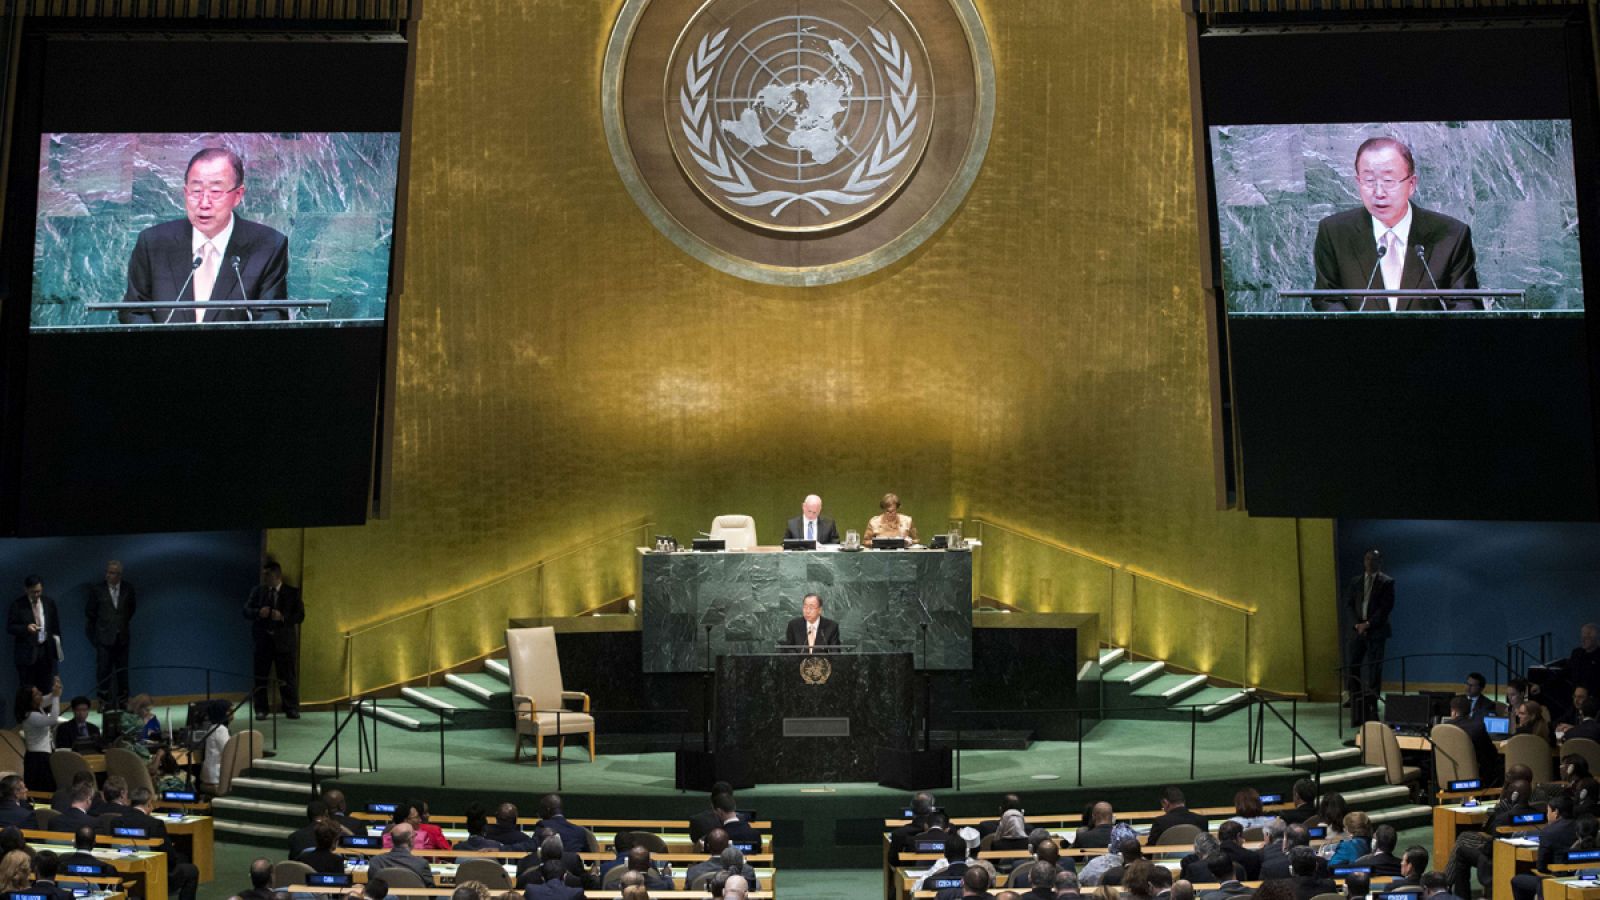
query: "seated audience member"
1041, 880
1098, 835
182, 876
1330, 814
1531, 719
61, 800
1436, 885
640, 864
1357, 885
260, 880
549, 881
15, 810
1381, 860
1095, 870
113, 797
1412, 864
1574, 712
954, 862
735, 888
1308, 874
1130, 851
1161, 881
1478, 704
716, 843
635, 892
305, 837
1559, 834
1137, 881
1483, 749
78, 729
1275, 848
373, 890
339, 813
506, 832
573, 837
1474, 850
323, 856
1221, 871
1305, 803
16, 871
1359, 842
1045, 850
1574, 771
974, 884
477, 823
1193, 867
1174, 811
425, 835
45, 867
1586, 726
1517, 690
1275, 890
1247, 809
470, 890
708, 818
1230, 838
1011, 833
77, 814
621, 843
1583, 666
399, 839
739, 831
990, 826
550, 848
1182, 889
82, 859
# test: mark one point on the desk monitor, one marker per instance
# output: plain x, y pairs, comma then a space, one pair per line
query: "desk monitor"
1407, 710
1497, 726
888, 543
328, 879
798, 544
1317, 833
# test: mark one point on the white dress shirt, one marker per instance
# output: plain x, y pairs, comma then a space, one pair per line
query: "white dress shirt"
197, 241
1393, 263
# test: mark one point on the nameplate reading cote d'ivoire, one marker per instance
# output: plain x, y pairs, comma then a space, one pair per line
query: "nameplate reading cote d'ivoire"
798, 142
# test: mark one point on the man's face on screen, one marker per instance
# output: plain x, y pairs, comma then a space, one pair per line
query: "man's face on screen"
811, 609
210, 194
1386, 184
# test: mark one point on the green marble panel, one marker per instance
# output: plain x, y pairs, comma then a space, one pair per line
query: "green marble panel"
1511, 181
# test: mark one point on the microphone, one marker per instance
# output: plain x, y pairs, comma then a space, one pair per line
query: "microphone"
193, 268
1422, 257
242, 292
1383, 250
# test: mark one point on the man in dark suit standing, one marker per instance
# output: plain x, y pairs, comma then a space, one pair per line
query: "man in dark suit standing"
1391, 237
275, 612
108, 614
34, 628
810, 524
210, 254
811, 632
1369, 600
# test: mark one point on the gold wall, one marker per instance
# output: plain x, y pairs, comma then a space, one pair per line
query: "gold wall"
564, 370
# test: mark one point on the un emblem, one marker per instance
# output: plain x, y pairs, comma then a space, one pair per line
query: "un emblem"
815, 670
798, 142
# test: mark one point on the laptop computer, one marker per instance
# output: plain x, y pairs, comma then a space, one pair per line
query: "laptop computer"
1497, 726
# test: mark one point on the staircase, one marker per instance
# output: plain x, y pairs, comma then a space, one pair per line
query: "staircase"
1143, 689
473, 700
1362, 786
268, 803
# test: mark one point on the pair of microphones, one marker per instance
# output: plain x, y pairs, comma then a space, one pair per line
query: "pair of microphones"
1421, 252
199, 260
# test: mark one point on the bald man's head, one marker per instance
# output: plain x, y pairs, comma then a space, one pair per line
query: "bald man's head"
1102, 814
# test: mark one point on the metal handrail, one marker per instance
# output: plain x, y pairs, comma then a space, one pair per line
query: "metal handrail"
333, 744
1294, 734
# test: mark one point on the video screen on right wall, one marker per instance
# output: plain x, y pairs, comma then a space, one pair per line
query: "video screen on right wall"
1487, 208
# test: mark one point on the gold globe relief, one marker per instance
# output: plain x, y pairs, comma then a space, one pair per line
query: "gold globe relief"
798, 142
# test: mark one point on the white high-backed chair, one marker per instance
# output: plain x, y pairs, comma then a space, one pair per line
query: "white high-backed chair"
537, 693
738, 531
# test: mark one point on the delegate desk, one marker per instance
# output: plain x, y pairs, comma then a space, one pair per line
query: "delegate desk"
148, 866
1448, 820
741, 602
1512, 856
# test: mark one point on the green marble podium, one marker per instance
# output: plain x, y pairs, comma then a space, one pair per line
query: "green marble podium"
696, 607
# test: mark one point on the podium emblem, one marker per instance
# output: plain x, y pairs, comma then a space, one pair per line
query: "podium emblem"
804, 142
815, 670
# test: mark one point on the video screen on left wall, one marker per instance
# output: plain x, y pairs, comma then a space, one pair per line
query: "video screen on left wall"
201, 231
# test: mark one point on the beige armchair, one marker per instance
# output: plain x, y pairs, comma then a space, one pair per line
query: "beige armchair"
738, 531
537, 693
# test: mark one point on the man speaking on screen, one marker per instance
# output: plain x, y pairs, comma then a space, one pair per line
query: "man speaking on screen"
1391, 243
209, 256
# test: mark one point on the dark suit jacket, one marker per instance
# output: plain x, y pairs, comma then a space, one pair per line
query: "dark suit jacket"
1244, 857
14, 813
1177, 815
827, 531
48, 888
552, 890
1379, 605
573, 838
1274, 862
72, 819
154, 828
1299, 814
26, 647
279, 635
107, 624
795, 635
1483, 748
162, 261
1096, 838
1382, 863
1308, 886
1589, 728
324, 861
510, 836
353, 825
79, 858
1555, 839
702, 822
740, 831
1479, 706
1346, 253
67, 735
302, 839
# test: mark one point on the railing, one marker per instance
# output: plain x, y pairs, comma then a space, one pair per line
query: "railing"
1296, 739
1343, 672
472, 622
1519, 658
1136, 607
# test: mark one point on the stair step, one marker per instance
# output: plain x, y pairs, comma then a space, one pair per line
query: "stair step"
1143, 673
448, 699
285, 767
253, 830
1359, 773
1171, 688
299, 789
1373, 796
1303, 758
1217, 701
499, 668
1400, 813
488, 689
1111, 656
293, 811
411, 718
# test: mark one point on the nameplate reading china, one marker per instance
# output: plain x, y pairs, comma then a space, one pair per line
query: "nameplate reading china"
799, 143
